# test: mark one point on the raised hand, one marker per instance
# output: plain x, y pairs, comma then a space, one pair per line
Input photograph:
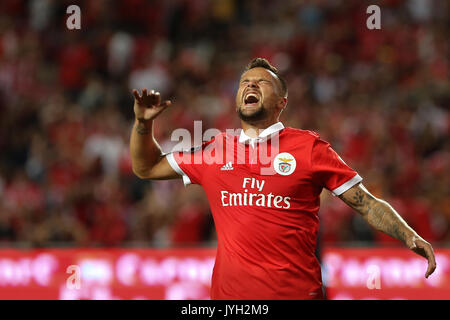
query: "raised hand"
148, 105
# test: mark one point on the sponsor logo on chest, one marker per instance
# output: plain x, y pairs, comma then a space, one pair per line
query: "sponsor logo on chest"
252, 194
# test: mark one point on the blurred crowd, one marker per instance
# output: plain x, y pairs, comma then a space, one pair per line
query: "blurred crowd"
380, 97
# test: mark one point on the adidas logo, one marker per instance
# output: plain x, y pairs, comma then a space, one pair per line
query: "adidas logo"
228, 166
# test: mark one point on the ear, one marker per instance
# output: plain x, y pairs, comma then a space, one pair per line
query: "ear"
282, 103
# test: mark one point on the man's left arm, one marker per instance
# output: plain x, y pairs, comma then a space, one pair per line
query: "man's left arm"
380, 215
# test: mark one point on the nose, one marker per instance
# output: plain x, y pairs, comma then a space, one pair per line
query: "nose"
252, 84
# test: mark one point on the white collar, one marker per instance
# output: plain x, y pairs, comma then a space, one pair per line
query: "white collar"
276, 127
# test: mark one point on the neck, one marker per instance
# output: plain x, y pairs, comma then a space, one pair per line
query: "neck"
253, 129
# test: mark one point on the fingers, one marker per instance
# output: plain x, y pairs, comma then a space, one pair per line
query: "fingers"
144, 93
136, 95
431, 266
430, 270
152, 93
163, 106
150, 98
428, 253
166, 103
431, 260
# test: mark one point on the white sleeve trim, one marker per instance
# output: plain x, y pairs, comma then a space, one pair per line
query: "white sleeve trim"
173, 163
347, 185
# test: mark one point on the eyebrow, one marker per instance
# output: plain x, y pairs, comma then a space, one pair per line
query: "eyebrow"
260, 79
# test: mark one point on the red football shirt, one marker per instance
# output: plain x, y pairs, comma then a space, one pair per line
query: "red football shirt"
264, 196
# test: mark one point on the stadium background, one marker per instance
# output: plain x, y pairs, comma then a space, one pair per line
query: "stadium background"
380, 97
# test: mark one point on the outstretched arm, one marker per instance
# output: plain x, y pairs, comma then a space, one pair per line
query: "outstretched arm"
380, 215
147, 159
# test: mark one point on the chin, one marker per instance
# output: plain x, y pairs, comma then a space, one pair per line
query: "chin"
254, 115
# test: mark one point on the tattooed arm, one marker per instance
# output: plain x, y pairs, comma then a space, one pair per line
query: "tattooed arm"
147, 159
380, 215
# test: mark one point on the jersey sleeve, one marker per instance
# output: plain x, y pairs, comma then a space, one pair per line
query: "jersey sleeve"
330, 171
189, 164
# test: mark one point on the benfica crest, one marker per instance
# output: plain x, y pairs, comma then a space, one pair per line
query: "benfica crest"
284, 164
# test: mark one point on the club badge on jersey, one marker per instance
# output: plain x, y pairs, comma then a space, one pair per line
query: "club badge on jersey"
284, 164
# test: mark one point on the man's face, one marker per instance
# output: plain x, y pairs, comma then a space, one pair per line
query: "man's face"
259, 95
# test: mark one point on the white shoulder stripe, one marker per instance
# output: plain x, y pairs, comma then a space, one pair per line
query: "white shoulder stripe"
347, 185
173, 163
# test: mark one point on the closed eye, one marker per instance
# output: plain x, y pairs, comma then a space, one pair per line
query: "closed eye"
259, 81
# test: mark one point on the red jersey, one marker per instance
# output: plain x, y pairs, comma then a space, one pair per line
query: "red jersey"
264, 196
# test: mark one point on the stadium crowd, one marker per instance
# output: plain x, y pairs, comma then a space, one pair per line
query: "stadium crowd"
380, 97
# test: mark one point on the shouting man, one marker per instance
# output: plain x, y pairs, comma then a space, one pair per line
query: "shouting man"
265, 212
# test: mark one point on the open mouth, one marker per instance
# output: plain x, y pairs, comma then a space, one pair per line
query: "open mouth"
251, 99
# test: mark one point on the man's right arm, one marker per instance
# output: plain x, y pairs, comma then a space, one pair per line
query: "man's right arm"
147, 159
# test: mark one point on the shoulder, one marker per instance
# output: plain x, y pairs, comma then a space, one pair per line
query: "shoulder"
218, 139
311, 139
305, 135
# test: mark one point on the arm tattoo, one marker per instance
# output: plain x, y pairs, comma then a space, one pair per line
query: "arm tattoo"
378, 213
358, 198
384, 218
142, 129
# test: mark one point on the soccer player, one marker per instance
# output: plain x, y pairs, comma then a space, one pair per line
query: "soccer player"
265, 208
